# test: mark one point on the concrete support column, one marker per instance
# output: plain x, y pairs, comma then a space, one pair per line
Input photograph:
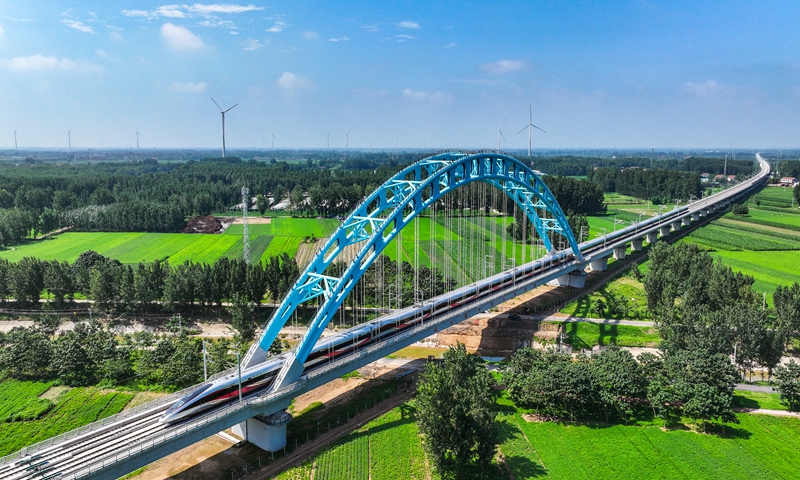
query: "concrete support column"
676, 225
652, 237
636, 245
576, 279
664, 231
695, 217
266, 432
600, 265
686, 221
619, 253
702, 212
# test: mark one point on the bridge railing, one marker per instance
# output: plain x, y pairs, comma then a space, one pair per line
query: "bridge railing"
100, 424
183, 429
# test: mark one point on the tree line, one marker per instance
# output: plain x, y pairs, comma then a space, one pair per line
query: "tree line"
145, 287
663, 186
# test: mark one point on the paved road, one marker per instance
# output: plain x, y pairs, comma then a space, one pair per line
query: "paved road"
755, 388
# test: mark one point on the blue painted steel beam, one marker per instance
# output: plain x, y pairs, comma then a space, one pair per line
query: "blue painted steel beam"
377, 220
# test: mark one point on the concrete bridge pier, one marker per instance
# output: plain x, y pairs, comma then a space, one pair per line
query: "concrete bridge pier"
636, 245
701, 213
676, 225
664, 231
652, 237
686, 221
600, 265
266, 432
575, 279
619, 253
695, 217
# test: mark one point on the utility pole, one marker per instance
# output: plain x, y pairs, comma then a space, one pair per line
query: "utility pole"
245, 233
239, 364
205, 362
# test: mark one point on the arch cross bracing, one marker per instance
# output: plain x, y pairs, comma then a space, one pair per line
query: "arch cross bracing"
377, 220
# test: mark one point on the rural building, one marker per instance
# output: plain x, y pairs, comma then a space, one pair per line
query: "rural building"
788, 181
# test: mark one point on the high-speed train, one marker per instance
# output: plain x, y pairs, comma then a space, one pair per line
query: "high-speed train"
327, 349
330, 348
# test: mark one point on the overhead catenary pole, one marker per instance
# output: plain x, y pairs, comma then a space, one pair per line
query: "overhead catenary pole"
205, 362
239, 366
223, 112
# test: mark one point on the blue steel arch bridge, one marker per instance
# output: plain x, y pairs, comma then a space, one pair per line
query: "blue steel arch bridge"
118, 445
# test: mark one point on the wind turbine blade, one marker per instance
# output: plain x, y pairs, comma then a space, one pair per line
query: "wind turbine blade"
228, 110
523, 129
215, 103
530, 113
503, 124
534, 126
501, 134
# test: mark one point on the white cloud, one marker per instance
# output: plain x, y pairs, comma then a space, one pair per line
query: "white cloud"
403, 38
216, 22
189, 87
370, 28
180, 38
136, 13
408, 24
170, 11
252, 44
101, 53
279, 24
290, 81
422, 96
339, 39
451, 45
504, 66
309, 35
201, 9
186, 11
2, 32
40, 62
710, 87
370, 92
78, 26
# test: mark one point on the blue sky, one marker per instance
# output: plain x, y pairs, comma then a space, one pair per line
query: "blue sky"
636, 74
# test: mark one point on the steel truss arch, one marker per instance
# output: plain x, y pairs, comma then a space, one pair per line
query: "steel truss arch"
377, 220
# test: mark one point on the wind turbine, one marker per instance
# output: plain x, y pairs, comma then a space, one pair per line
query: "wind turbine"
328, 136
530, 126
347, 142
273, 144
500, 133
15, 141
69, 139
223, 112
137, 139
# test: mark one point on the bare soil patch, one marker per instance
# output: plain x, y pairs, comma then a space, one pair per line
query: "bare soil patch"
53, 393
206, 224
143, 397
252, 220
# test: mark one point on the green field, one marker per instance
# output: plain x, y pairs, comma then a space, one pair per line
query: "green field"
279, 236
760, 447
46, 418
587, 335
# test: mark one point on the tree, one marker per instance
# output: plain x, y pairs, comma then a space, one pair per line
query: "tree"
796, 193
26, 353
456, 410
242, 320
621, 380
787, 308
262, 203
787, 382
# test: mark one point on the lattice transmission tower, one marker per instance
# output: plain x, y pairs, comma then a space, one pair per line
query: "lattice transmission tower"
245, 234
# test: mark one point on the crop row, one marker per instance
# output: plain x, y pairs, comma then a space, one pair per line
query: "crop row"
724, 239
744, 227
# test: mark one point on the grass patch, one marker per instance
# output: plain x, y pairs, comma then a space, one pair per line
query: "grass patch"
587, 335
623, 286
73, 409
748, 399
